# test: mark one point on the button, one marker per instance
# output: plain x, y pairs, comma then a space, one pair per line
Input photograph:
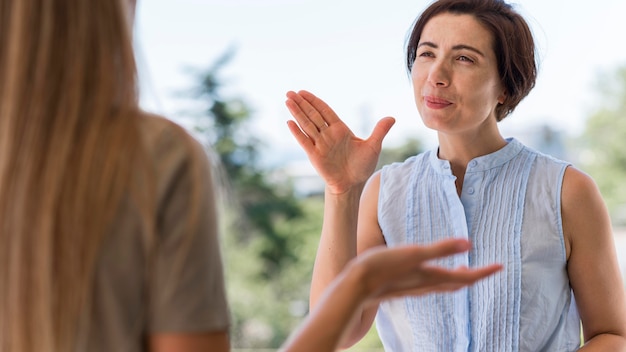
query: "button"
470, 190
473, 163
446, 166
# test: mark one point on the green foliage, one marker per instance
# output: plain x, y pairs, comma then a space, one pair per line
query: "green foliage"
411, 146
264, 311
604, 138
223, 124
269, 236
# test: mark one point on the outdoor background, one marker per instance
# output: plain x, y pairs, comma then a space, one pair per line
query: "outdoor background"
221, 68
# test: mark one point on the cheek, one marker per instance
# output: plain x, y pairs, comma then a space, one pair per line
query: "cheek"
417, 81
482, 97
417, 93
416, 76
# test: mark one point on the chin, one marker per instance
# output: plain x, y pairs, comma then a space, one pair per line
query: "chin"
434, 123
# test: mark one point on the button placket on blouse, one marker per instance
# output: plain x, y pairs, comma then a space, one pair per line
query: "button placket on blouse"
470, 189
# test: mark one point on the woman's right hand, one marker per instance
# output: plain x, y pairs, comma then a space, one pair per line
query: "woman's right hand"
342, 159
378, 274
385, 273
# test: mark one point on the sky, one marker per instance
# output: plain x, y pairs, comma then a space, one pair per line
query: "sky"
351, 54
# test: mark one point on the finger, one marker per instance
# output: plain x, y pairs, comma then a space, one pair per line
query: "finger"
306, 124
327, 113
437, 279
413, 255
440, 278
485, 271
310, 112
419, 253
436, 275
419, 288
305, 142
420, 291
380, 131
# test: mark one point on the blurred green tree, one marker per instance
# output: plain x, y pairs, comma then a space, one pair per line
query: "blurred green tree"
268, 237
603, 142
223, 123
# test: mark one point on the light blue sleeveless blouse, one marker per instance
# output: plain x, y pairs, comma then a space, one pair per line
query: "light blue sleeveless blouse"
510, 210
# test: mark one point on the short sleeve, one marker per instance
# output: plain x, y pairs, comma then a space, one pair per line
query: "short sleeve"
186, 286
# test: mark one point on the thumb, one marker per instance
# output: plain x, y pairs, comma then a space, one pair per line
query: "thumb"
380, 131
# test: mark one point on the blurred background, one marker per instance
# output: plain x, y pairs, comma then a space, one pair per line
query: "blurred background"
221, 68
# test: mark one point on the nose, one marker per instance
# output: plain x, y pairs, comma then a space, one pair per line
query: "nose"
439, 74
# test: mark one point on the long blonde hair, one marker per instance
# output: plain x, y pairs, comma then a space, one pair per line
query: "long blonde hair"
68, 136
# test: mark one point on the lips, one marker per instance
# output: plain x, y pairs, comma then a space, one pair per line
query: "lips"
436, 102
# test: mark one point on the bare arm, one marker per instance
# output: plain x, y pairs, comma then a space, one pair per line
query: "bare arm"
368, 235
378, 274
592, 264
188, 342
345, 162
337, 245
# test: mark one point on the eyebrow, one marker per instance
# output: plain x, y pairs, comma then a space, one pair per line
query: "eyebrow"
456, 47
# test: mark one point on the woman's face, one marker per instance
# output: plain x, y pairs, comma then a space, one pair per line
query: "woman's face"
455, 75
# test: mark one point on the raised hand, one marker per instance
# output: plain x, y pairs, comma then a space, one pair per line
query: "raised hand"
342, 159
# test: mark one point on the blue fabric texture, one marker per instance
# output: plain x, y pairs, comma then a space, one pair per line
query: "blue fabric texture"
509, 208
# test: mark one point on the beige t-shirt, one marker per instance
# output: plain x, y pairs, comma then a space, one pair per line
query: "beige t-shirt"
126, 306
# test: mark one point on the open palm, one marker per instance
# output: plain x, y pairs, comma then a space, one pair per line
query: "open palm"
342, 159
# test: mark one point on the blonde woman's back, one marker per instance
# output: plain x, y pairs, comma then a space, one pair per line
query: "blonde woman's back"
99, 203
174, 284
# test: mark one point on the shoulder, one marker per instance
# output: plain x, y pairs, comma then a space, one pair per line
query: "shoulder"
580, 200
176, 157
579, 187
168, 144
161, 135
545, 170
411, 163
584, 213
406, 164
398, 172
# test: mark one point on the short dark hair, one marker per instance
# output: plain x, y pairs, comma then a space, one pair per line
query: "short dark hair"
513, 44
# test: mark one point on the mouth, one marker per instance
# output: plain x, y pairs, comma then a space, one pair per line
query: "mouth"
436, 102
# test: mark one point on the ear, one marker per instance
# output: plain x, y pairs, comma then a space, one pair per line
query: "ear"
502, 98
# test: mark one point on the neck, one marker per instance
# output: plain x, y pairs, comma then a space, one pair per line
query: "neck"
460, 149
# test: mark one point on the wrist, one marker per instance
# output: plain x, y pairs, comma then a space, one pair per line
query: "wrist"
355, 278
354, 190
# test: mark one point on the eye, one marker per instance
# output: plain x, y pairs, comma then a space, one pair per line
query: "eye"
465, 59
425, 54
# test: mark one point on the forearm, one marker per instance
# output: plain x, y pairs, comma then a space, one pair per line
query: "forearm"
330, 321
605, 342
347, 308
337, 244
